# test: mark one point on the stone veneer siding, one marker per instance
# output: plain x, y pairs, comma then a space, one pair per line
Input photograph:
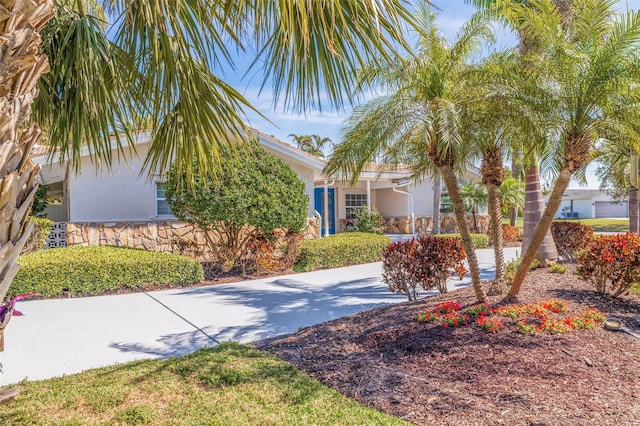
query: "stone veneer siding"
168, 236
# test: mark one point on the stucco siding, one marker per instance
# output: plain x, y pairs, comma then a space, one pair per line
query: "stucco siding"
119, 194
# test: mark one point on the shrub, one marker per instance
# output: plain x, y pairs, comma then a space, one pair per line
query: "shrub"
87, 271
511, 234
611, 263
570, 237
511, 267
38, 238
351, 248
426, 262
254, 194
557, 268
478, 240
370, 221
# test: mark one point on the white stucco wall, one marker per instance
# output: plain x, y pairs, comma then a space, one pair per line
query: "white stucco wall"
394, 204
582, 207
119, 195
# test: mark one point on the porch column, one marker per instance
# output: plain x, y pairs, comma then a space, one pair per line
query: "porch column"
369, 196
325, 205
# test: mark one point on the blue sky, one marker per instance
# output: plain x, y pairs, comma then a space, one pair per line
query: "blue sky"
452, 14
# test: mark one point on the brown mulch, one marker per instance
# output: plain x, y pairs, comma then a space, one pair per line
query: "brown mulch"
428, 374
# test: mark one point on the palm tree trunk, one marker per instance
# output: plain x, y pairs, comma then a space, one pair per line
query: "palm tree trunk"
633, 193
498, 287
533, 208
541, 231
21, 68
437, 198
492, 170
451, 182
515, 172
633, 209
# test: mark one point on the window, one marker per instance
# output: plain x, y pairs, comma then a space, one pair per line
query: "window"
353, 203
162, 206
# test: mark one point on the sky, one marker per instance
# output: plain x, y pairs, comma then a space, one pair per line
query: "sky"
451, 15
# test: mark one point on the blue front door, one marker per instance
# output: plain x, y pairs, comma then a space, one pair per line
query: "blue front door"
319, 206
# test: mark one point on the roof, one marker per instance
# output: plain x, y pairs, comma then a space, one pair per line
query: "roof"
580, 194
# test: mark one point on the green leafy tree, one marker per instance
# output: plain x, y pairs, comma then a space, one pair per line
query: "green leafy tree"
253, 195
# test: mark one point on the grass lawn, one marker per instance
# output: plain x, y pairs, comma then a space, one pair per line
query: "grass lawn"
607, 225
225, 385
599, 225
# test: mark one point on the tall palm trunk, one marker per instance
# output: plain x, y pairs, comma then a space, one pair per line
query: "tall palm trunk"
450, 180
437, 199
515, 172
543, 228
546, 252
492, 172
21, 66
633, 192
576, 155
498, 287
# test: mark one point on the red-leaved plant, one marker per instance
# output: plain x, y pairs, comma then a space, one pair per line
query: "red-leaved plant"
570, 237
611, 263
426, 263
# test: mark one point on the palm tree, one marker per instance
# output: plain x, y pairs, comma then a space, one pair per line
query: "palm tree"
313, 144
618, 155
512, 194
418, 121
534, 203
474, 195
302, 141
158, 68
586, 60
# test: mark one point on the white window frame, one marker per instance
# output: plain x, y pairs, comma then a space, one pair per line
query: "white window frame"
351, 209
162, 200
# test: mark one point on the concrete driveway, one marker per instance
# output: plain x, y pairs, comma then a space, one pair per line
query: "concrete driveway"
66, 336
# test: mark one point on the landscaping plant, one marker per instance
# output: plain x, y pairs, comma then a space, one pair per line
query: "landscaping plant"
254, 194
335, 251
511, 234
370, 221
85, 271
540, 317
426, 263
570, 237
611, 263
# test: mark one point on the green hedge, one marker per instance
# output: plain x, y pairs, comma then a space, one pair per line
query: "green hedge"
479, 240
349, 248
88, 271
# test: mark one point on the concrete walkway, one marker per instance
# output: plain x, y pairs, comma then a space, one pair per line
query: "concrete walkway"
66, 336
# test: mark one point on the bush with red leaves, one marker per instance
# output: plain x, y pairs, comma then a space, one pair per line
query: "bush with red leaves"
426, 262
570, 237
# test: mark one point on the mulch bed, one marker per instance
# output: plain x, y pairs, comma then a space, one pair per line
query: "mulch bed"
428, 374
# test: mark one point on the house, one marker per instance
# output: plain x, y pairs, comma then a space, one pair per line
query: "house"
120, 195
584, 203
